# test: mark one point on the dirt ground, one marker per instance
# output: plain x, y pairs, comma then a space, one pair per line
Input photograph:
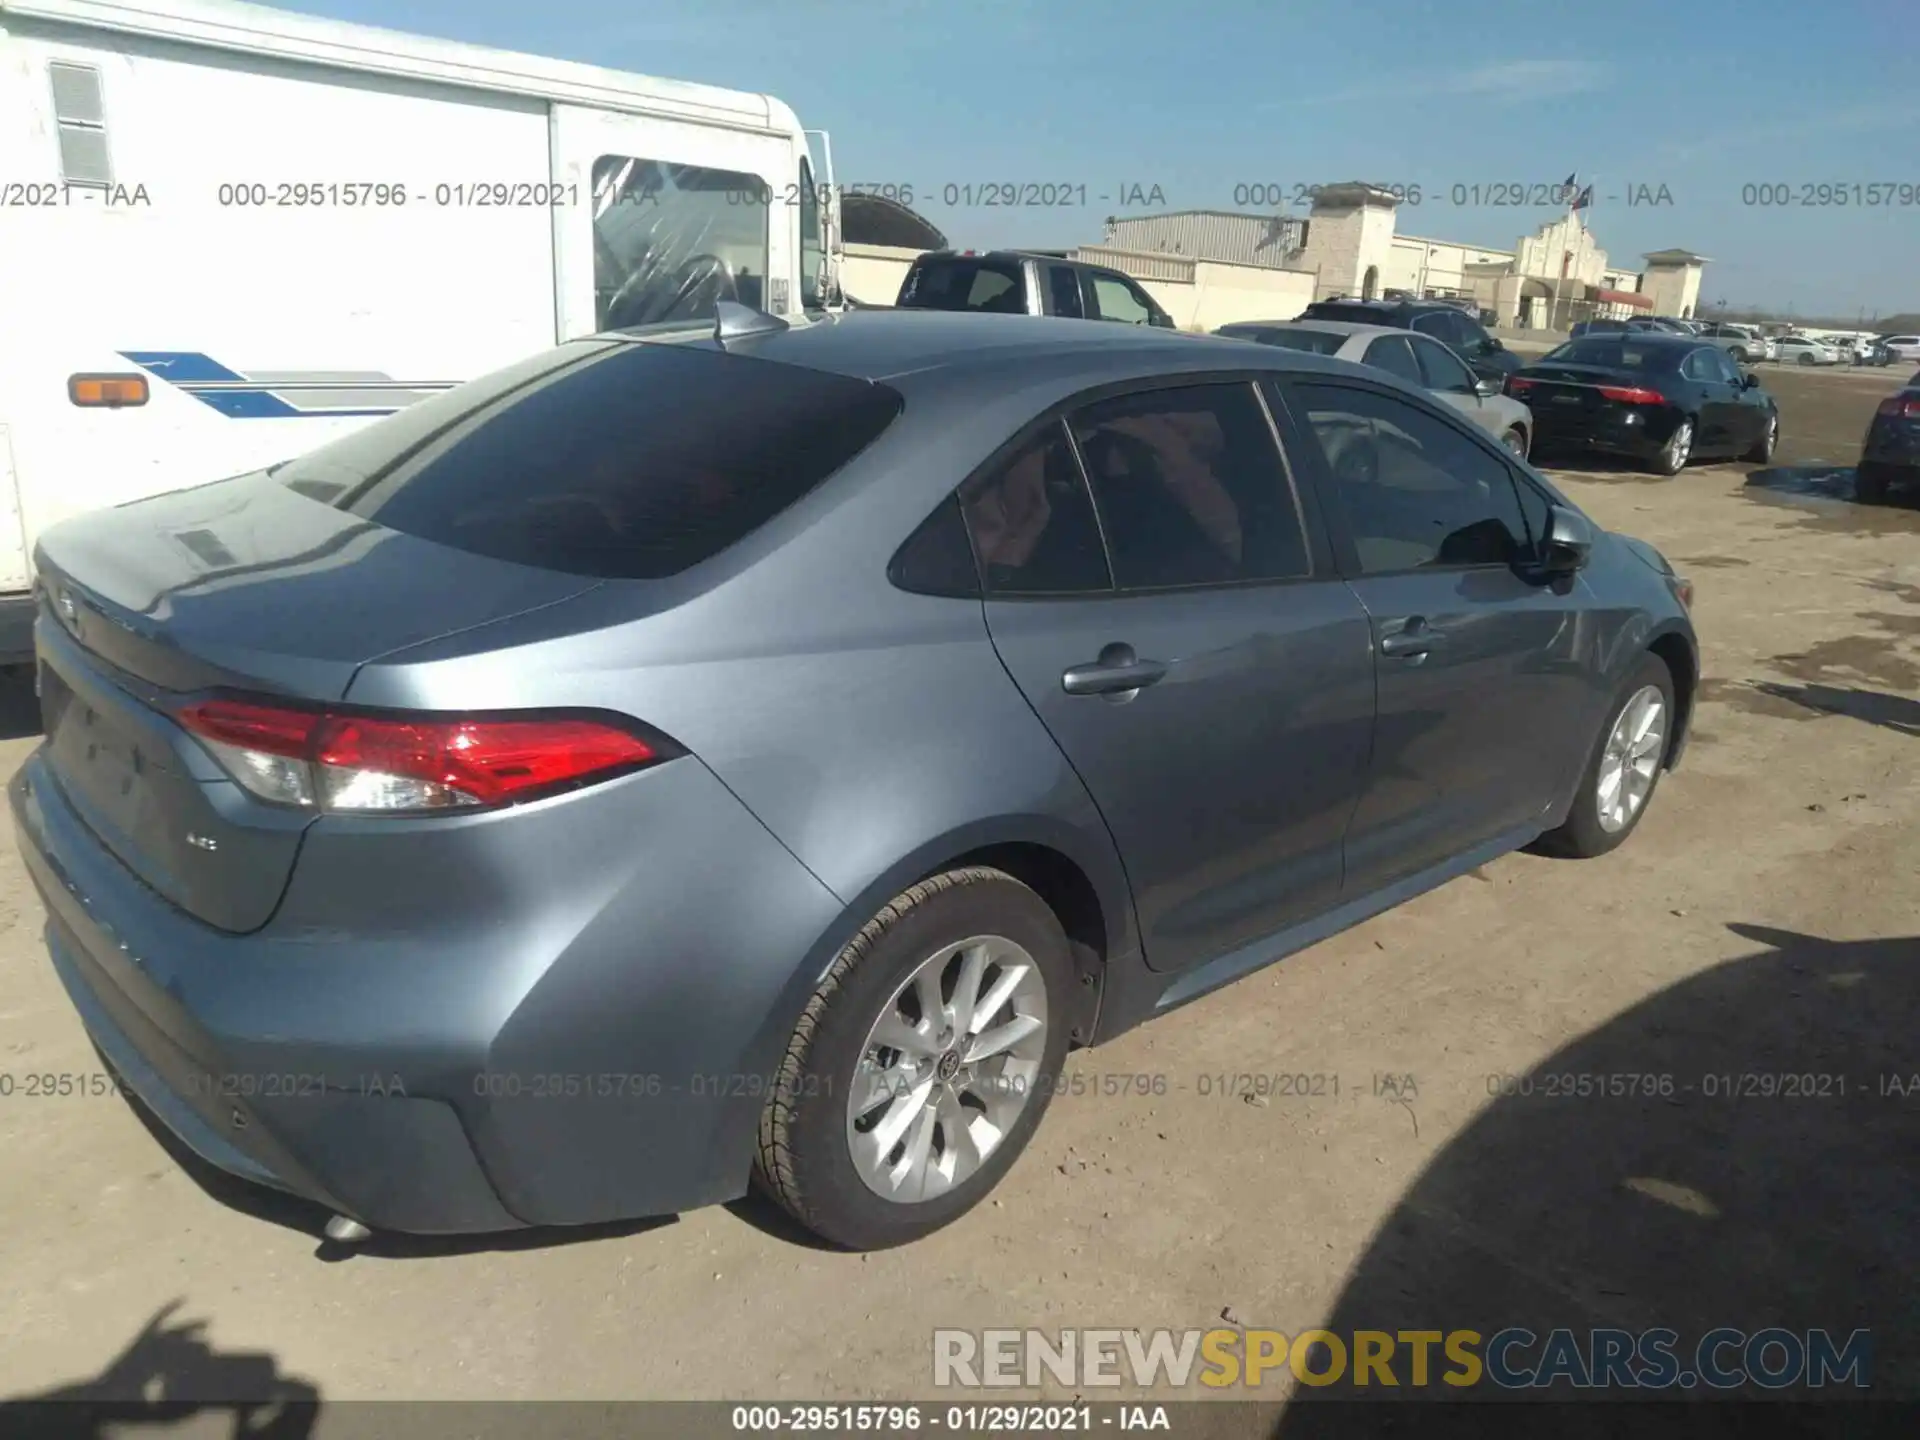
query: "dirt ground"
1765, 919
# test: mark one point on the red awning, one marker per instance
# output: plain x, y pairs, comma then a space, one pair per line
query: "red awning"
1630, 298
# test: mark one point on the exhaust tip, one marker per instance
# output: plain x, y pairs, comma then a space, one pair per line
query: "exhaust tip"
343, 1231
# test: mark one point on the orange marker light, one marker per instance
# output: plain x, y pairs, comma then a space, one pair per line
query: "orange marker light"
112, 392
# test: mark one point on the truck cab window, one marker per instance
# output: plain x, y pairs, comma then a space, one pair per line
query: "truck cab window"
669, 241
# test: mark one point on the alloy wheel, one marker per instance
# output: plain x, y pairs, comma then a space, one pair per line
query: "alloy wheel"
947, 1069
1680, 446
1632, 758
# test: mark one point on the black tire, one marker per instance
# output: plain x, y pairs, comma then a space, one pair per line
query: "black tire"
1805, 358
1739, 355
1673, 456
1769, 441
804, 1163
1870, 484
1515, 441
1581, 836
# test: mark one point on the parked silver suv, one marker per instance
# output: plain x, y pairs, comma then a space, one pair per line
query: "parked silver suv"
1744, 343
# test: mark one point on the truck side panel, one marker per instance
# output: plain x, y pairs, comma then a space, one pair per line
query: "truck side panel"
283, 250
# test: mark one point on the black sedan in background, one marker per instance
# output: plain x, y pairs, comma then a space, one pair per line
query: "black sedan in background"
1891, 453
1661, 399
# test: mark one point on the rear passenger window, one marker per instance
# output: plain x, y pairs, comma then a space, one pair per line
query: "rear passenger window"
1392, 354
1416, 493
632, 461
1064, 292
1191, 488
1032, 524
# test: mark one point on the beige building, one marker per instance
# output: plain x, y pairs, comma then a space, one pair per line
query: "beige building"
1209, 268
1348, 246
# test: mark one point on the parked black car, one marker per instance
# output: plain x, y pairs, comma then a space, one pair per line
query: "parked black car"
1449, 324
1891, 453
1662, 399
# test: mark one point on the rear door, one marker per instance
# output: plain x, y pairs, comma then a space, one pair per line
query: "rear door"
1205, 670
1482, 702
1719, 401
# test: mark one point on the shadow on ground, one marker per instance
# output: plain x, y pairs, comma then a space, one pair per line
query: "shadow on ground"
1818, 482
169, 1376
1767, 1202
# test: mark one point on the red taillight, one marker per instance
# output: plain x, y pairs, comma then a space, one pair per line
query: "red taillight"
1633, 395
1901, 407
328, 760
1518, 387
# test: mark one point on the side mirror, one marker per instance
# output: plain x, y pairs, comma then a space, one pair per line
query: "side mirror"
1491, 345
1568, 542
1486, 389
1749, 381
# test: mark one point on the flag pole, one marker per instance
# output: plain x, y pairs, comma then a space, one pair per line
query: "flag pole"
1561, 275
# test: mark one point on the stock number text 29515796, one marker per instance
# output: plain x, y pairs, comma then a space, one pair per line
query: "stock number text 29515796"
393, 195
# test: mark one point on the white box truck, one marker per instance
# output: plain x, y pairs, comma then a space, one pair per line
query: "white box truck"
230, 233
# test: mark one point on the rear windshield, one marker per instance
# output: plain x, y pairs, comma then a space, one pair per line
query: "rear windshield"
1336, 310
1314, 342
968, 283
1616, 354
614, 460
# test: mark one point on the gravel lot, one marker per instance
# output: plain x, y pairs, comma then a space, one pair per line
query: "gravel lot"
1765, 919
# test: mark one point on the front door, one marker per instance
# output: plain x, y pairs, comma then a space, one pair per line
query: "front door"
1203, 670
1482, 700
663, 218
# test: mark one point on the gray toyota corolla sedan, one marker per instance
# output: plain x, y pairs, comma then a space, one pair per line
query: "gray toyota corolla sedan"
756, 753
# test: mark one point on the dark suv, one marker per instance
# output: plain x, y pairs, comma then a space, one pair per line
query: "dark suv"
1449, 324
1014, 282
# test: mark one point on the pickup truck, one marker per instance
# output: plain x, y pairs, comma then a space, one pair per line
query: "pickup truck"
1015, 282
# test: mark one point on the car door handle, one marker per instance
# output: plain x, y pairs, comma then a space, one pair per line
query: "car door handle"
1415, 639
1117, 670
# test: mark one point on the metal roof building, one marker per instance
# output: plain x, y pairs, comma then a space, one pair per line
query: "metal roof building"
1226, 235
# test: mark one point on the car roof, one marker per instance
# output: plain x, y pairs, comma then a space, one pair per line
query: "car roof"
1322, 327
1664, 337
889, 345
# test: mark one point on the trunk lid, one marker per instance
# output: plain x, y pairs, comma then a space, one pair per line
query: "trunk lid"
1566, 389
240, 585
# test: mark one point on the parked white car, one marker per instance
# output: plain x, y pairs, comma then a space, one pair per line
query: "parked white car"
1904, 347
1801, 350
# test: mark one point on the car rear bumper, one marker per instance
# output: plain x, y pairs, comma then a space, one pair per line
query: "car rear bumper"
1636, 433
555, 1063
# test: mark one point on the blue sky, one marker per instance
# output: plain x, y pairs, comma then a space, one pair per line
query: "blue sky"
1704, 98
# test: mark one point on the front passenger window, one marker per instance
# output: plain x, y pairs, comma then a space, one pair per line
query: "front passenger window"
1112, 300
1416, 493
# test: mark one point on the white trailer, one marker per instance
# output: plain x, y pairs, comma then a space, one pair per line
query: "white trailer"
229, 234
